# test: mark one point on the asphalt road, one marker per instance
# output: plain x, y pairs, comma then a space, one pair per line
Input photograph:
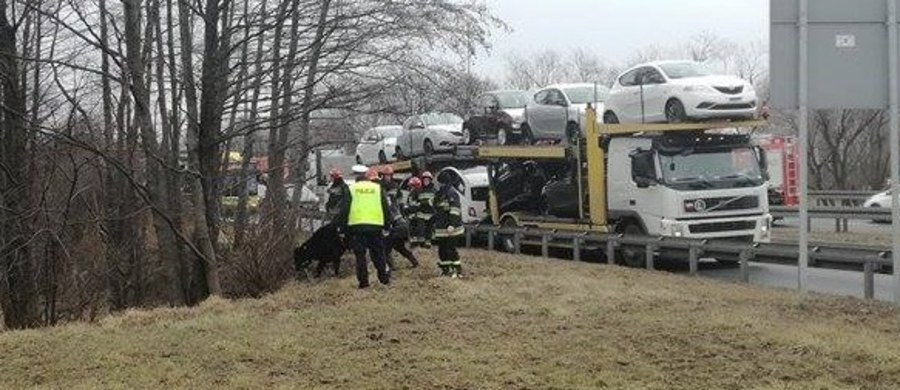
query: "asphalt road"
824, 281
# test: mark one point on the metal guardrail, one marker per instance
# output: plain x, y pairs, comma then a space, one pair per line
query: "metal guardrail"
841, 215
857, 213
840, 198
867, 259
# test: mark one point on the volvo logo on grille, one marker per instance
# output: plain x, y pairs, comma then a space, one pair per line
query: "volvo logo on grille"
700, 205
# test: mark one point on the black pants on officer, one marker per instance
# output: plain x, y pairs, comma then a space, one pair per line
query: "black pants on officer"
372, 242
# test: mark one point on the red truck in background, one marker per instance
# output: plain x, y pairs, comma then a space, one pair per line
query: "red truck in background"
783, 164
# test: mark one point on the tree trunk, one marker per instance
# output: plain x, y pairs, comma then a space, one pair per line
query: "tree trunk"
302, 165
18, 290
205, 267
250, 138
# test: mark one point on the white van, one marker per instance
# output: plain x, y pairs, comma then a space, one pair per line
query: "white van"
472, 185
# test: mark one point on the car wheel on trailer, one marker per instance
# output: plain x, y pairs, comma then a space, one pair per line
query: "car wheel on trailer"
610, 118
675, 112
502, 137
382, 158
573, 132
527, 137
428, 147
632, 256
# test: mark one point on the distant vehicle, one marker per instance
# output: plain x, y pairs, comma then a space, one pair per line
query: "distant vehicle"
880, 200
500, 116
556, 111
428, 133
676, 92
378, 145
472, 185
781, 165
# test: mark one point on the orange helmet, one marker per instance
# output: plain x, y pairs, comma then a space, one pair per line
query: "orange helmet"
415, 182
387, 170
371, 174
335, 174
427, 175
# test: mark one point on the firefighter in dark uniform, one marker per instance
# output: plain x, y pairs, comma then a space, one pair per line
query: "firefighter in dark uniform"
392, 190
365, 216
411, 209
337, 193
398, 237
448, 227
426, 207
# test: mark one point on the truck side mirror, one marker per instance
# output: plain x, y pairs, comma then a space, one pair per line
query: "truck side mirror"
763, 161
643, 168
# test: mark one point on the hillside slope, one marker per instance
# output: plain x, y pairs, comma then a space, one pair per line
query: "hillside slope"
513, 323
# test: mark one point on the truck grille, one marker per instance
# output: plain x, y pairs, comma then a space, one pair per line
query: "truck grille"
747, 202
717, 227
716, 204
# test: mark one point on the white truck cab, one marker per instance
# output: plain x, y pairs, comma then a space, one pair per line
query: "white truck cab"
688, 185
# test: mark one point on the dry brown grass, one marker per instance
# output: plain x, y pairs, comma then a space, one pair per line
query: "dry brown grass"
513, 323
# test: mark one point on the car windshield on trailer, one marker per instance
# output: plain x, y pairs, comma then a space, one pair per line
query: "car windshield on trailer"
441, 119
388, 132
586, 94
512, 99
681, 70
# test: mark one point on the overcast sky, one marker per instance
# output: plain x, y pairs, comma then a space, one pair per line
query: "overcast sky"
614, 29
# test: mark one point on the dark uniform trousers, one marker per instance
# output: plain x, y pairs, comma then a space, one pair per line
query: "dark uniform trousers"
371, 241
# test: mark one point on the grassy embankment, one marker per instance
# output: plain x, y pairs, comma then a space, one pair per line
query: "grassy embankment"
513, 323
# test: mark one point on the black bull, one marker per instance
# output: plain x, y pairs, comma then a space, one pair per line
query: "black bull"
325, 246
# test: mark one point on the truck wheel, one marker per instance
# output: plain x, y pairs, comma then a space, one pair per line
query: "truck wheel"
382, 158
632, 256
398, 154
507, 241
359, 159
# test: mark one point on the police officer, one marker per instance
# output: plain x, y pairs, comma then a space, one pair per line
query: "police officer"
416, 224
365, 216
426, 207
448, 227
337, 192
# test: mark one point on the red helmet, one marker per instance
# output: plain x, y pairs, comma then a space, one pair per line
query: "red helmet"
427, 175
415, 182
335, 174
387, 170
371, 174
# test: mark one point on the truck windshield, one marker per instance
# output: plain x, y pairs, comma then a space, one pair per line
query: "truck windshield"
713, 168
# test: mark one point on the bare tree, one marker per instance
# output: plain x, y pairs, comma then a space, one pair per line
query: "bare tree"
18, 295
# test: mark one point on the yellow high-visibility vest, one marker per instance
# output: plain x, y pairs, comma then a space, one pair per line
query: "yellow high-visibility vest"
365, 204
